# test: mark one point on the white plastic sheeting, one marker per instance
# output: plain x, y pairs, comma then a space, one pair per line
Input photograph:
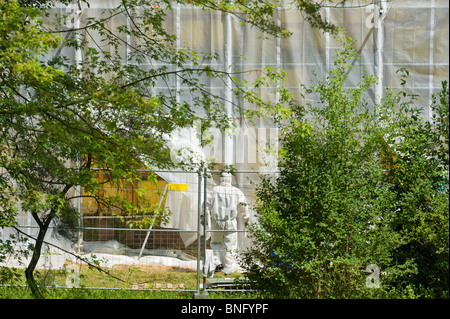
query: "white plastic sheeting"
390, 34
107, 254
183, 205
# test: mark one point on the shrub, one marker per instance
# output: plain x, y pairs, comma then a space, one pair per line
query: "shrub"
358, 186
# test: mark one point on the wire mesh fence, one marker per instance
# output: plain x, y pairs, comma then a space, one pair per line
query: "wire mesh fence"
106, 251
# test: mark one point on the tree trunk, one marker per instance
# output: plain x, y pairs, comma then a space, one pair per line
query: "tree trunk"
43, 227
29, 271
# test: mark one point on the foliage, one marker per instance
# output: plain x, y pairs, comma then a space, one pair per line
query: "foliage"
419, 169
111, 288
61, 120
260, 13
335, 209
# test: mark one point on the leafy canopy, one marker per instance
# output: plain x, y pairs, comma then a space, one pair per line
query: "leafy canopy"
359, 185
63, 118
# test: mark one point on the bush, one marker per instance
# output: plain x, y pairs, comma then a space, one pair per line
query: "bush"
358, 186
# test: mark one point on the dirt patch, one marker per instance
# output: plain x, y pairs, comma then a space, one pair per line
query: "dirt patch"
144, 267
158, 286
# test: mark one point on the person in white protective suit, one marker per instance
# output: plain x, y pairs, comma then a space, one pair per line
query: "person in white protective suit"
226, 202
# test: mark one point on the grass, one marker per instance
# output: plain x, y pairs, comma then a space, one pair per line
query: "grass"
84, 293
126, 283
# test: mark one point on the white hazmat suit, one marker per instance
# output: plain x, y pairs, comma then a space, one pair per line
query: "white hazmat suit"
226, 202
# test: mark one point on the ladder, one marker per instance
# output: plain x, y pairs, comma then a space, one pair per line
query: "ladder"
167, 187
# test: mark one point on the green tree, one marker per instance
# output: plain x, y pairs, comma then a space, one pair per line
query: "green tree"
419, 171
335, 208
55, 125
59, 118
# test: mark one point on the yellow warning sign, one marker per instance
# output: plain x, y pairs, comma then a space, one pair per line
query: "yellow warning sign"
178, 187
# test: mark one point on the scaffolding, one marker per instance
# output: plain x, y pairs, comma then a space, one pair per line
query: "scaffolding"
389, 35
105, 241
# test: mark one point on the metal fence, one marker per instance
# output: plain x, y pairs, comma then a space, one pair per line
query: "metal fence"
106, 253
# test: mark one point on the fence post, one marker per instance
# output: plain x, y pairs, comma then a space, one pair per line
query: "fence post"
199, 203
205, 199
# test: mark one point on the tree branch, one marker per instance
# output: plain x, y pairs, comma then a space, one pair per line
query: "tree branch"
85, 260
